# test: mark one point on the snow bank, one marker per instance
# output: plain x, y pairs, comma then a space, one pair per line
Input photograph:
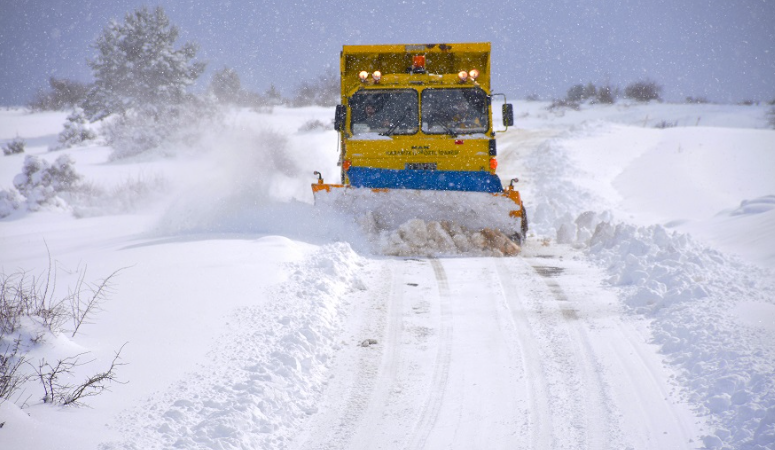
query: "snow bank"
20, 122
691, 293
59, 187
266, 372
697, 299
760, 205
747, 230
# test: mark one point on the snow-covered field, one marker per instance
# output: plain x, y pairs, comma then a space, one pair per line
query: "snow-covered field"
640, 314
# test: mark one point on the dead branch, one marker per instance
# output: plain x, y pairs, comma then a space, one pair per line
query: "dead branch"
95, 384
81, 309
11, 379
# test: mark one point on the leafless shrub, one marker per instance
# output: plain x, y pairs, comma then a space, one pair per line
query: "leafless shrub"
11, 360
95, 384
580, 92
575, 93
665, 124
643, 91
607, 94
771, 118
697, 100
61, 392
49, 377
561, 104
24, 296
82, 307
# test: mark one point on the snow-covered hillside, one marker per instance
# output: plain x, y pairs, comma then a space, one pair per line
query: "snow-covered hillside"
640, 314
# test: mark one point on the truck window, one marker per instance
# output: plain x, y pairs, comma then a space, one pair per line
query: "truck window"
454, 111
384, 112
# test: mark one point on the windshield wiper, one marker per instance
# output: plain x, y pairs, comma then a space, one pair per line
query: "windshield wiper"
398, 122
444, 120
448, 129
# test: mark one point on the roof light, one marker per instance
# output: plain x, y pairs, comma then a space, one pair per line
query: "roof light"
474, 74
363, 75
418, 62
463, 75
377, 75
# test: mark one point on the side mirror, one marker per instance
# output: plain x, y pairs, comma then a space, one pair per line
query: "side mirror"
508, 114
340, 117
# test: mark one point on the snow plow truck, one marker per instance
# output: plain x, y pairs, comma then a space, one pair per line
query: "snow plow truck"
417, 139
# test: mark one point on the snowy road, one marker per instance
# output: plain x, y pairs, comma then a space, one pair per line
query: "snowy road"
244, 315
499, 353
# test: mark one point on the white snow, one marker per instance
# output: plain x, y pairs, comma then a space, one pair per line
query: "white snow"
639, 314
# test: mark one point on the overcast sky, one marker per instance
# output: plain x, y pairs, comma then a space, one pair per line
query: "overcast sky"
720, 49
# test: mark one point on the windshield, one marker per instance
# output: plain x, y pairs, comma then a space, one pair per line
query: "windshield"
384, 112
454, 111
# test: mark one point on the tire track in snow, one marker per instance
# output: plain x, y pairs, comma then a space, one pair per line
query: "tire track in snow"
598, 414
387, 376
433, 404
623, 395
538, 421
669, 429
353, 382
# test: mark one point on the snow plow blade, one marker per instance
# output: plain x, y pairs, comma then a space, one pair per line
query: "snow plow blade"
387, 209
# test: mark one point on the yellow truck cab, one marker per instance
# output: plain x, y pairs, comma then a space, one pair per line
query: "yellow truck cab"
418, 116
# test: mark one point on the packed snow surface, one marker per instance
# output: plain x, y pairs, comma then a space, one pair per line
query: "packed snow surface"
639, 313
